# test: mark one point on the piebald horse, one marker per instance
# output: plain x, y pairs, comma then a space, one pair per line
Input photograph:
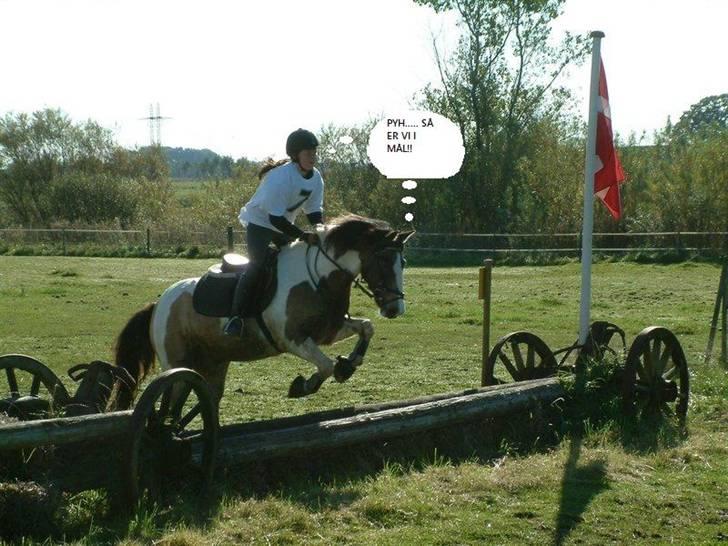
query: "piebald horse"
307, 308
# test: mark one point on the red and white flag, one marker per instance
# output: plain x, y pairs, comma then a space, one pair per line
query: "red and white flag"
609, 174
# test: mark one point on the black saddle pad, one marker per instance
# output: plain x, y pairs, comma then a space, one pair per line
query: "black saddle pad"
213, 295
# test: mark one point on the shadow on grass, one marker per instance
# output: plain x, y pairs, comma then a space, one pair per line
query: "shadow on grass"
328, 479
315, 480
579, 485
649, 432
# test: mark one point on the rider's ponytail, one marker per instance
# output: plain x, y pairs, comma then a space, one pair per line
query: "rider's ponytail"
270, 164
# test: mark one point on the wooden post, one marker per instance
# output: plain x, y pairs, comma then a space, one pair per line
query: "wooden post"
724, 312
63, 241
149, 241
484, 284
719, 310
230, 245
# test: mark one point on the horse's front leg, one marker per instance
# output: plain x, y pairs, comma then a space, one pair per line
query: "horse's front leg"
309, 351
345, 367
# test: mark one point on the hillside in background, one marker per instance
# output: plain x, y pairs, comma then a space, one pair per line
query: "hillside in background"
193, 164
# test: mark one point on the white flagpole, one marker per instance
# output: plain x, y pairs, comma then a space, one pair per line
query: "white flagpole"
589, 168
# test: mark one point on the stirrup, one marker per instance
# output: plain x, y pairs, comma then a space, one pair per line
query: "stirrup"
234, 327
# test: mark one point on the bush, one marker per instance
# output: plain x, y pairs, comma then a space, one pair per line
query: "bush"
92, 199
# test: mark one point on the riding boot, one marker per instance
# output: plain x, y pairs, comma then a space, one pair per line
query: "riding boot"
234, 326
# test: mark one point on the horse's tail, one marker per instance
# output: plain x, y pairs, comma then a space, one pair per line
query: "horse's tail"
134, 351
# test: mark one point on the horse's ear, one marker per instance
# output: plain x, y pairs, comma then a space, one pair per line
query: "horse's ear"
403, 236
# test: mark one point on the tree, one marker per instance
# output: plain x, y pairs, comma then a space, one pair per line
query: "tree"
499, 84
53, 169
36, 148
710, 113
345, 166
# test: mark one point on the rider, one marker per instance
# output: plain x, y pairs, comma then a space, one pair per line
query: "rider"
288, 187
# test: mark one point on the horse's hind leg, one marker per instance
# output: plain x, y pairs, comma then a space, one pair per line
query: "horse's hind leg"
215, 374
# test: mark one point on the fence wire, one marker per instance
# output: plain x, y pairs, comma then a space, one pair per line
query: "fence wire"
71, 241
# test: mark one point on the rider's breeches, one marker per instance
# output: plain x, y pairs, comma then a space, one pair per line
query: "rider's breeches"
258, 238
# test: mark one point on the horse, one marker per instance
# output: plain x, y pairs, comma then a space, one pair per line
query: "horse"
307, 306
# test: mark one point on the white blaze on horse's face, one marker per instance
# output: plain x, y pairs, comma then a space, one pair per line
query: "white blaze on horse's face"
385, 276
398, 304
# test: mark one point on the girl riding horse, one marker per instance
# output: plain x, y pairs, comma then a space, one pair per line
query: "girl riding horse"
288, 187
308, 308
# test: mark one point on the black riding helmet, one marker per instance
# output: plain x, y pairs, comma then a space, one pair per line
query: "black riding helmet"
298, 140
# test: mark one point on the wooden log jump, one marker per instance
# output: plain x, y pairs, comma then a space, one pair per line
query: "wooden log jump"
397, 419
327, 429
64, 430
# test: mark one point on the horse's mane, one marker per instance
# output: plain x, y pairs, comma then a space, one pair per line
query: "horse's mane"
351, 232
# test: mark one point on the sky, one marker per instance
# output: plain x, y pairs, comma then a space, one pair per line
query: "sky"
237, 76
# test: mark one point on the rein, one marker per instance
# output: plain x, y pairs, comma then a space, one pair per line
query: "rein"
372, 294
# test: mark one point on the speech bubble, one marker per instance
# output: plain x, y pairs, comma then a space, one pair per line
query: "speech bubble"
416, 144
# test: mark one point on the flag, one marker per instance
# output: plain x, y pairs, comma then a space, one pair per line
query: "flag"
609, 174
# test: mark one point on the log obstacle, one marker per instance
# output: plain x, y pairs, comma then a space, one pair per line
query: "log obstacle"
64, 430
148, 433
327, 429
288, 436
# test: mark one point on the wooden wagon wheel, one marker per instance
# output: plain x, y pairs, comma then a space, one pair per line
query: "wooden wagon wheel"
175, 411
524, 356
604, 339
656, 374
33, 390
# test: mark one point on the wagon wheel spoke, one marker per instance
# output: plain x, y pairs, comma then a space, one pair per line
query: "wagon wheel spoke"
641, 372
187, 419
12, 382
531, 357
669, 374
153, 422
164, 402
508, 364
647, 366
35, 386
664, 359
517, 356
655, 358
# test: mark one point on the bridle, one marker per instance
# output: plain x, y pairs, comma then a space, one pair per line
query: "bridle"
377, 293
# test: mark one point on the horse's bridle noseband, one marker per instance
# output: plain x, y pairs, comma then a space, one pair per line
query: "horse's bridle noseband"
377, 293
380, 291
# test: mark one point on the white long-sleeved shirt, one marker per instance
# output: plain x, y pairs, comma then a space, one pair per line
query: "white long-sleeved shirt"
284, 192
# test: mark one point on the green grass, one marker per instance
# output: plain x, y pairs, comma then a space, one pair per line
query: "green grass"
611, 484
184, 190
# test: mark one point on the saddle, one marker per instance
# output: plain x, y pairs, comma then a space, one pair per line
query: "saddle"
213, 295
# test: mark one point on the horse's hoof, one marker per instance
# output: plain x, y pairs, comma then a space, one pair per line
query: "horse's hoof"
343, 369
297, 388
314, 384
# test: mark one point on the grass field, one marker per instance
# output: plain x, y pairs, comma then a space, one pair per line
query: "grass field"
588, 489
